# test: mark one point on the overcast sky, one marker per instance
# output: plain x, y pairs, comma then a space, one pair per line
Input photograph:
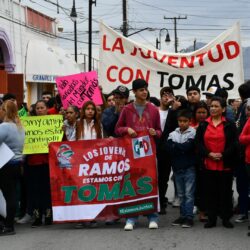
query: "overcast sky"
205, 19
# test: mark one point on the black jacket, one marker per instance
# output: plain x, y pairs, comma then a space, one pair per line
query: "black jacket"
170, 125
231, 150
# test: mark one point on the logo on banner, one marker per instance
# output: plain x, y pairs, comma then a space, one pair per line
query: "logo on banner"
63, 155
141, 147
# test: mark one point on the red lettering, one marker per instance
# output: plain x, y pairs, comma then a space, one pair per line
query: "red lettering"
145, 56
133, 53
109, 73
123, 72
185, 63
235, 45
200, 58
140, 75
118, 45
156, 58
220, 54
126, 74
172, 60
104, 43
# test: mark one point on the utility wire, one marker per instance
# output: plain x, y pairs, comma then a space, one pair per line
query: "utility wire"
193, 15
42, 32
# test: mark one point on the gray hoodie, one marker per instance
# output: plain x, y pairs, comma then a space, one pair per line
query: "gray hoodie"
13, 137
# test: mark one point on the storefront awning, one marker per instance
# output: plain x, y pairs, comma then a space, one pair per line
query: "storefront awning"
45, 62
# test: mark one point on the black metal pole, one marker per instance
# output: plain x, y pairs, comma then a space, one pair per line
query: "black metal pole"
125, 21
175, 36
75, 33
90, 34
157, 42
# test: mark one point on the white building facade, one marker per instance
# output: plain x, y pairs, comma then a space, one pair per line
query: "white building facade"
29, 46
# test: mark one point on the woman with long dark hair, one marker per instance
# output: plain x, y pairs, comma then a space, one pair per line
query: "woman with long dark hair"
89, 126
201, 113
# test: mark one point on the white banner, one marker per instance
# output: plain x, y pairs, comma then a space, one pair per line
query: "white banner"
219, 64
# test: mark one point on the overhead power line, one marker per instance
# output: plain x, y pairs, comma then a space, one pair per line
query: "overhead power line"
41, 32
193, 15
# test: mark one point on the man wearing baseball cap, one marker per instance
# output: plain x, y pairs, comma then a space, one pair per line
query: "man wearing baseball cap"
209, 95
110, 115
140, 116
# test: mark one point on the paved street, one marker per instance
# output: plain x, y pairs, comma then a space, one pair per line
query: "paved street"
65, 237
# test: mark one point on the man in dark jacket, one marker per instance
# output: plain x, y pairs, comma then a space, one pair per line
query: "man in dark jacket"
111, 115
169, 123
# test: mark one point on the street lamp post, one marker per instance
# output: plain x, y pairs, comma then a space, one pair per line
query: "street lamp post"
73, 16
158, 41
90, 33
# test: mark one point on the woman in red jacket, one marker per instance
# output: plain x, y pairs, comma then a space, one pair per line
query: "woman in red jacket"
217, 147
39, 181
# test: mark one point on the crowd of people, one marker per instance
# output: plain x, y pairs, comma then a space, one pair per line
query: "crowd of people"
205, 144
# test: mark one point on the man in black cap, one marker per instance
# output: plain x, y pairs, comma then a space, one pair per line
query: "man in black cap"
110, 115
209, 95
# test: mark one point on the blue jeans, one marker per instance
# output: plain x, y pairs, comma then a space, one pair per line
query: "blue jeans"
151, 217
185, 184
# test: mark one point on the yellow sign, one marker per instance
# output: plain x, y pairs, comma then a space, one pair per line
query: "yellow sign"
40, 131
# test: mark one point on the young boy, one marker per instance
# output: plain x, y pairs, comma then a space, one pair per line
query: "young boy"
180, 145
137, 117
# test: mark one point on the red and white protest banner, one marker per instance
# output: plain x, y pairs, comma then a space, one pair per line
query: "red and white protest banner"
78, 89
103, 179
218, 64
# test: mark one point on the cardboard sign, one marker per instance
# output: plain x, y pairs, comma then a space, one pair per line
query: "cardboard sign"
40, 131
78, 89
103, 179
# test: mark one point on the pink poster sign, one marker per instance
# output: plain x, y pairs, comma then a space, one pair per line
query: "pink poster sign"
78, 89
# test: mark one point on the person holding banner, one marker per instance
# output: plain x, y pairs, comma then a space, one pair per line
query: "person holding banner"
12, 134
39, 180
168, 117
140, 116
88, 127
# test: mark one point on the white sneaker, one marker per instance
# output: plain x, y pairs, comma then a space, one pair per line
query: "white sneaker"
176, 202
195, 210
153, 225
129, 226
241, 218
26, 219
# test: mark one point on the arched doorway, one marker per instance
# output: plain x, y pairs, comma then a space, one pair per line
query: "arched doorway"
6, 54
2, 67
